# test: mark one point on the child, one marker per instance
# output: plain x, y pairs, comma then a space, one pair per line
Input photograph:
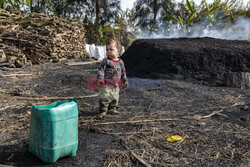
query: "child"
110, 76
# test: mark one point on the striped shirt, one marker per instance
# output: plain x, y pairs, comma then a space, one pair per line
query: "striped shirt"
112, 72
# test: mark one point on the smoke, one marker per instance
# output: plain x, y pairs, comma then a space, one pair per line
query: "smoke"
240, 30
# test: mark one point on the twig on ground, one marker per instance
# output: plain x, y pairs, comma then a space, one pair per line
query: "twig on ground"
5, 108
151, 102
178, 151
139, 112
14, 75
146, 108
180, 142
80, 63
97, 129
142, 161
64, 90
5, 91
46, 98
218, 112
131, 122
14, 141
86, 103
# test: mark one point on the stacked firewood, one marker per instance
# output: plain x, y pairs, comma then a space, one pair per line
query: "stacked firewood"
38, 38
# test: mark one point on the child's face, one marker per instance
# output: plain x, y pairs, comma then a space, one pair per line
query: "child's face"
112, 51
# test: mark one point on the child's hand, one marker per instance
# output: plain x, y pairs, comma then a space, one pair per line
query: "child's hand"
125, 84
100, 82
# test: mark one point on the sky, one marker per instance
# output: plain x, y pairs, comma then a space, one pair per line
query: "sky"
129, 3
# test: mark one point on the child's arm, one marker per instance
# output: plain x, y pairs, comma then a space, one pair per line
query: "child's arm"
101, 72
123, 74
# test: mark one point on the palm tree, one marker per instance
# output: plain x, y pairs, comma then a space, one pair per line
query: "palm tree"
189, 13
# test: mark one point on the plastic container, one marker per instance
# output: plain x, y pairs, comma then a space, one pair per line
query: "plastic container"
54, 130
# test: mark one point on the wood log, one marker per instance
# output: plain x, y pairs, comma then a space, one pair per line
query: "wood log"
39, 38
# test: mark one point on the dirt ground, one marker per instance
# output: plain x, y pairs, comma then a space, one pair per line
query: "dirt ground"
214, 121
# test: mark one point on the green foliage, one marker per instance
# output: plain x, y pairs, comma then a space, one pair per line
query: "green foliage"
3, 4
126, 24
148, 13
123, 29
189, 6
216, 12
15, 4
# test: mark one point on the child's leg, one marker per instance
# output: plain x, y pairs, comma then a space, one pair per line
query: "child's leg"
113, 105
103, 106
104, 100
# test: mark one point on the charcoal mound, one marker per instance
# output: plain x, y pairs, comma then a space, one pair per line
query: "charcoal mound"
207, 61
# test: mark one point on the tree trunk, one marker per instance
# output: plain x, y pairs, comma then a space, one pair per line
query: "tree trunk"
97, 13
31, 6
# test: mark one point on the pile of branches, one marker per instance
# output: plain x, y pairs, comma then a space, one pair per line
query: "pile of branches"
38, 38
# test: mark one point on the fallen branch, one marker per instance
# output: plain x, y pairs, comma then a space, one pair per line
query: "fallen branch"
131, 122
80, 63
46, 98
13, 75
218, 112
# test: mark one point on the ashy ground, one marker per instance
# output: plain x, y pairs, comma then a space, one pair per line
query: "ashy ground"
213, 121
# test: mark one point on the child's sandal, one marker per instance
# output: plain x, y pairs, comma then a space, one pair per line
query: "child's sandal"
102, 115
114, 112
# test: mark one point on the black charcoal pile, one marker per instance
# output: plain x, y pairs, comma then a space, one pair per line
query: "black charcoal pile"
207, 61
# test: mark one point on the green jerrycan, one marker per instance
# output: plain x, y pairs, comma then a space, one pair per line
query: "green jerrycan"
54, 130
